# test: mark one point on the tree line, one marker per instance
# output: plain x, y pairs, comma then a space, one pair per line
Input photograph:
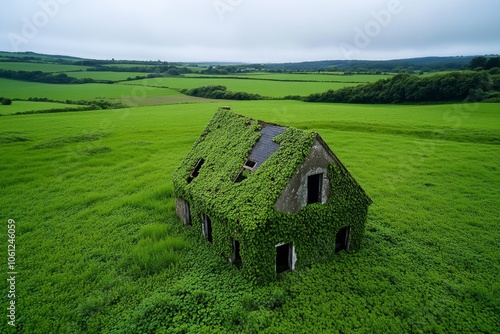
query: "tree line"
220, 92
170, 70
409, 88
484, 63
45, 77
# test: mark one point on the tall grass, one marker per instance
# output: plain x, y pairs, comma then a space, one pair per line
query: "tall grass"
100, 248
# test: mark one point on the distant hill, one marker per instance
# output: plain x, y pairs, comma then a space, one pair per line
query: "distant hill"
33, 56
427, 64
416, 64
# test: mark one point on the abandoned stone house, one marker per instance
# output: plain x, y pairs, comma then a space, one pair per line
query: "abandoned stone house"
269, 198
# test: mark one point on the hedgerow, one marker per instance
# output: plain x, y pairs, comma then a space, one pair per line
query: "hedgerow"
221, 92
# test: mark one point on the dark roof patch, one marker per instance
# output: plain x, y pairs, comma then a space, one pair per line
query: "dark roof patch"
265, 146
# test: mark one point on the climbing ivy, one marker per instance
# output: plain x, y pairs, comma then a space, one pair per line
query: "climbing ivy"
245, 210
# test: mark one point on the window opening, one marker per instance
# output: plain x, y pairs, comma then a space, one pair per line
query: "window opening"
236, 257
245, 171
284, 258
187, 213
314, 184
342, 239
206, 225
250, 164
195, 171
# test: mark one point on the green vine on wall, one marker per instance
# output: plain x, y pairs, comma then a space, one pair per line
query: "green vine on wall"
245, 211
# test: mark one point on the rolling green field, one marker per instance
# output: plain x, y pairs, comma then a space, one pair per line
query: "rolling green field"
321, 77
126, 94
99, 248
23, 106
20, 66
113, 76
267, 88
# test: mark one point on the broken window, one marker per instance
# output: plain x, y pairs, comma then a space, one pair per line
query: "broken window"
284, 258
250, 164
236, 257
194, 173
206, 225
187, 213
245, 170
314, 185
342, 239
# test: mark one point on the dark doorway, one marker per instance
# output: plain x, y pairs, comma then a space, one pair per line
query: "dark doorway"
342, 239
236, 257
207, 227
284, 258
314, 183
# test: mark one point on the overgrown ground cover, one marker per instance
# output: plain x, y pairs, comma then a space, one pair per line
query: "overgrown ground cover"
99, 248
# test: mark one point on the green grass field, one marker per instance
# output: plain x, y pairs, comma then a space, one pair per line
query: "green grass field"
113, 76
99, 248
263, 87
319, 77
23, 106
20, 66
126, 94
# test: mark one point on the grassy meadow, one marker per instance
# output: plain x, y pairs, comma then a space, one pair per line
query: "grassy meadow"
99, 248
113, 76
306, 77
268, 88
24, 106
44, 67
131, 95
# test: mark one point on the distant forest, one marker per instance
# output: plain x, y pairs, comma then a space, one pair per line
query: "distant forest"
480, 83
415, 65
469, 86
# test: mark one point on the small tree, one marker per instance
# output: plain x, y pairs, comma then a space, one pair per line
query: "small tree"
5, 101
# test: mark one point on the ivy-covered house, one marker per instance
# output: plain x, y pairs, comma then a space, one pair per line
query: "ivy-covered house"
269, 198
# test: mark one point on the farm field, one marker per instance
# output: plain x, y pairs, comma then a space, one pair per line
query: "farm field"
112, 76
262, 87
23, 106
321, 77
101, 250
129, 95
21, 66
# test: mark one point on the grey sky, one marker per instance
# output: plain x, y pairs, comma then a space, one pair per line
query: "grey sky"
251, 30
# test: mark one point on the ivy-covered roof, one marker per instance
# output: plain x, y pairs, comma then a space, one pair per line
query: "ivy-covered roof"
213, 174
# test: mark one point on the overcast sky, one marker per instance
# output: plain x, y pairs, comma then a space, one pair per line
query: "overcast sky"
251, 30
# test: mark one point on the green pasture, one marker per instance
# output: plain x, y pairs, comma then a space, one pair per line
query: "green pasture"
320, 77
99, 248
128, 65
263, 87
23, 106
112, 76
126, 94
44, 67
